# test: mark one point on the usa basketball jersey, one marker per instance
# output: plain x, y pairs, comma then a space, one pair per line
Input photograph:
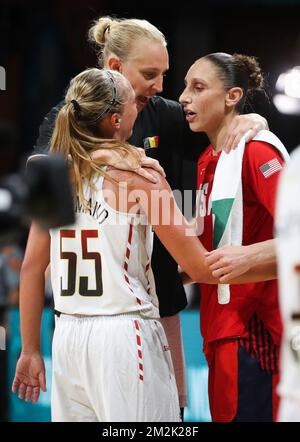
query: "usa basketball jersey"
101, 264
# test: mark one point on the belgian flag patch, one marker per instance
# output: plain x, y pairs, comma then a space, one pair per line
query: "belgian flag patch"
151, 142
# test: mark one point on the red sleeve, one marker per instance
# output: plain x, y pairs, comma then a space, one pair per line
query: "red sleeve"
262, 165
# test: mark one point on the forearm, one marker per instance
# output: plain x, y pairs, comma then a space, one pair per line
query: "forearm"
31, 307
32, 287
262, 252
259, 273
261, 259
186, 279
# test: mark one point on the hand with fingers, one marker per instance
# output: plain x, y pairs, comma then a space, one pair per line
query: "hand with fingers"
112, 158
30, 377
228, 262
251, 123
148, 164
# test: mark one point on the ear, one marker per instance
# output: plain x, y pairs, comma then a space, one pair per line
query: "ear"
233, 96
110, 125
115, 121
114, 63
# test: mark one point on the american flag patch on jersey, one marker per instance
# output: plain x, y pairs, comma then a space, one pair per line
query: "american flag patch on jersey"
270, 167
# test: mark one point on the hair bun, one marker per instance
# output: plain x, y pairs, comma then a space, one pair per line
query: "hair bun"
98, 33
250, 64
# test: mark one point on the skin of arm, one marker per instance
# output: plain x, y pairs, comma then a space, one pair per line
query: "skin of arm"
30, 370
173, 230
231, 262
241, 264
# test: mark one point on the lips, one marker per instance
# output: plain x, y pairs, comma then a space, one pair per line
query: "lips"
189, 115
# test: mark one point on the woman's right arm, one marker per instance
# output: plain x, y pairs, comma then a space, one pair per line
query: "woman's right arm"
173, 230
32, 287
30, 370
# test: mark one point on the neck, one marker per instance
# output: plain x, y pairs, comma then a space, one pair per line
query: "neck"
218, 134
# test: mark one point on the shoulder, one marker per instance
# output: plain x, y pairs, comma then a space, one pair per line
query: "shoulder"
136, 182
262, 161
132, 189
258, 152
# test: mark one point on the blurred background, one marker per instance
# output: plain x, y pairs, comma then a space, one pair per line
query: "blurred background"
44, 44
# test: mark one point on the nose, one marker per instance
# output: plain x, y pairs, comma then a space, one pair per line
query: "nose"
158, 84
184, 98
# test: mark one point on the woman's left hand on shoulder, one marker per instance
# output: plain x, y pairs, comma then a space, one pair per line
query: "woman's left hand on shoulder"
252, 123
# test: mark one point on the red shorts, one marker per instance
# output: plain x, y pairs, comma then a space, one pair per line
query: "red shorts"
238, 388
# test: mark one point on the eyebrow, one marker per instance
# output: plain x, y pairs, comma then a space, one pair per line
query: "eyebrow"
196, 80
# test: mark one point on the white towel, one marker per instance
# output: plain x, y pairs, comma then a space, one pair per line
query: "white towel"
227, 198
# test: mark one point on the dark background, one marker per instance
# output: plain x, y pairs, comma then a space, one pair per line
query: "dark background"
43, 44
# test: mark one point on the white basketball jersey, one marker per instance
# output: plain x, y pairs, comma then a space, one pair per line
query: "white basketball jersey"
288, 230
101, 264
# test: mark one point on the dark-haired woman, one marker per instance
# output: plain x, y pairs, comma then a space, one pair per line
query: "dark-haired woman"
240, 324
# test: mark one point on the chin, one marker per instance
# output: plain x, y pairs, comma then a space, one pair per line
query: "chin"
195, 127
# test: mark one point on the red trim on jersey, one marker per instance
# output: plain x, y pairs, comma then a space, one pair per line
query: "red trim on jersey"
139, 350
130, 232
147, 268
126, 261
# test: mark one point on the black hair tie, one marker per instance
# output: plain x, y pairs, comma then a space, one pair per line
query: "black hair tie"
76, 105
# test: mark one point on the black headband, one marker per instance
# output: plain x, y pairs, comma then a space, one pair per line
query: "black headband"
113, 101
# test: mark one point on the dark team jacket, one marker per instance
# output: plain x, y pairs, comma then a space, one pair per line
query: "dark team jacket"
161, 122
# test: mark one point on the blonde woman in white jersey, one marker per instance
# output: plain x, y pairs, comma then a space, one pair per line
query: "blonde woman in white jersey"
111, 360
